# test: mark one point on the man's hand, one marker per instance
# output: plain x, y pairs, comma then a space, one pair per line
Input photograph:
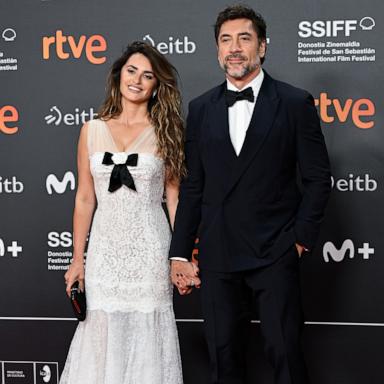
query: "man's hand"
185, 276
300, 249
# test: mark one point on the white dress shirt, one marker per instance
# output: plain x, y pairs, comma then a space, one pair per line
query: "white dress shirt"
239, 117
240, 114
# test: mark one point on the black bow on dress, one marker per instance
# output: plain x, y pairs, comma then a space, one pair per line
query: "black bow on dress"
120, 174
232, 96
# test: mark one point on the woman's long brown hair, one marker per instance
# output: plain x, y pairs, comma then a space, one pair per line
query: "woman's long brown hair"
164, 109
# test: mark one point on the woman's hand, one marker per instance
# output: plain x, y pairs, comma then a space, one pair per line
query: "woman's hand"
75, 273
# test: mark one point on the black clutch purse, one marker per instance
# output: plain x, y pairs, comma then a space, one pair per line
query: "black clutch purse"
78, 301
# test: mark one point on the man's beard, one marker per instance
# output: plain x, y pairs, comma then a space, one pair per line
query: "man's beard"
243, 71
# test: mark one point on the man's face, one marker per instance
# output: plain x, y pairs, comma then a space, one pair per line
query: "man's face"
239, 50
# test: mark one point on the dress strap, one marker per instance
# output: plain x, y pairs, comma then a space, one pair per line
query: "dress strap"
98, 138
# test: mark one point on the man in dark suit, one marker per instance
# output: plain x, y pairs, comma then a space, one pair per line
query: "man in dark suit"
247, 141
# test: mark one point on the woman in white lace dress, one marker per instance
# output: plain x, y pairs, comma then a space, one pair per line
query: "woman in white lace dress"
127, 159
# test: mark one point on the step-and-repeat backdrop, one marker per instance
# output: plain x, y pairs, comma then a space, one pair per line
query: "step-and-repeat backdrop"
54, 58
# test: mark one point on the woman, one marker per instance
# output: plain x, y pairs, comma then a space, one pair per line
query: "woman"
126, 159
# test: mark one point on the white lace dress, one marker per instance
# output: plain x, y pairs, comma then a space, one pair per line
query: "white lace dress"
129, 335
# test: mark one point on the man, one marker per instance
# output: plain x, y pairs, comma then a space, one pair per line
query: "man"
244, 152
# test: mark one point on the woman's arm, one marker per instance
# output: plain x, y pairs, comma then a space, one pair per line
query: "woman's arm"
85, 203
172, 198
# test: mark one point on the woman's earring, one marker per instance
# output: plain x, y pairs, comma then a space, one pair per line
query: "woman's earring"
154, 93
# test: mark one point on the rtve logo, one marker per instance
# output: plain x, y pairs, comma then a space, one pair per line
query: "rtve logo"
361, 110
67, 47
8, 116
330, 252
333, 28
60, 186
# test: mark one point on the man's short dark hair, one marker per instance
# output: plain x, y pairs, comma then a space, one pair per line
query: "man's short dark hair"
239, 11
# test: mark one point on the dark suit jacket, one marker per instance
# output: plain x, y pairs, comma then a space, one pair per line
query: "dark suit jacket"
250, 207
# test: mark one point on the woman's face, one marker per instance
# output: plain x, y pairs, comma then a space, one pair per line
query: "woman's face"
137, 80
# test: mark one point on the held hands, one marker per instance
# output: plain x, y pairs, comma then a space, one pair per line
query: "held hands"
74, 273
185, 276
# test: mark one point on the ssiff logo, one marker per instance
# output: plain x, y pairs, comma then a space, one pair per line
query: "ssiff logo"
60, 239
333, 28
9, 34
60, 186
331, 252
8, 116
67, 46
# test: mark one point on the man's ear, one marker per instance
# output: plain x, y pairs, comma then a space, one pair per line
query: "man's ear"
262, 48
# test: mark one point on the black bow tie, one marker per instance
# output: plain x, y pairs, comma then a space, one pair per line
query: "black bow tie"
232, 96
120, 174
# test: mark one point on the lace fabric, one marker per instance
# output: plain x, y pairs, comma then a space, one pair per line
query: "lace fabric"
129, 335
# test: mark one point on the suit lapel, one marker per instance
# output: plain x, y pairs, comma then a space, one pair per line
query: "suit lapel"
220, 126
262, 120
